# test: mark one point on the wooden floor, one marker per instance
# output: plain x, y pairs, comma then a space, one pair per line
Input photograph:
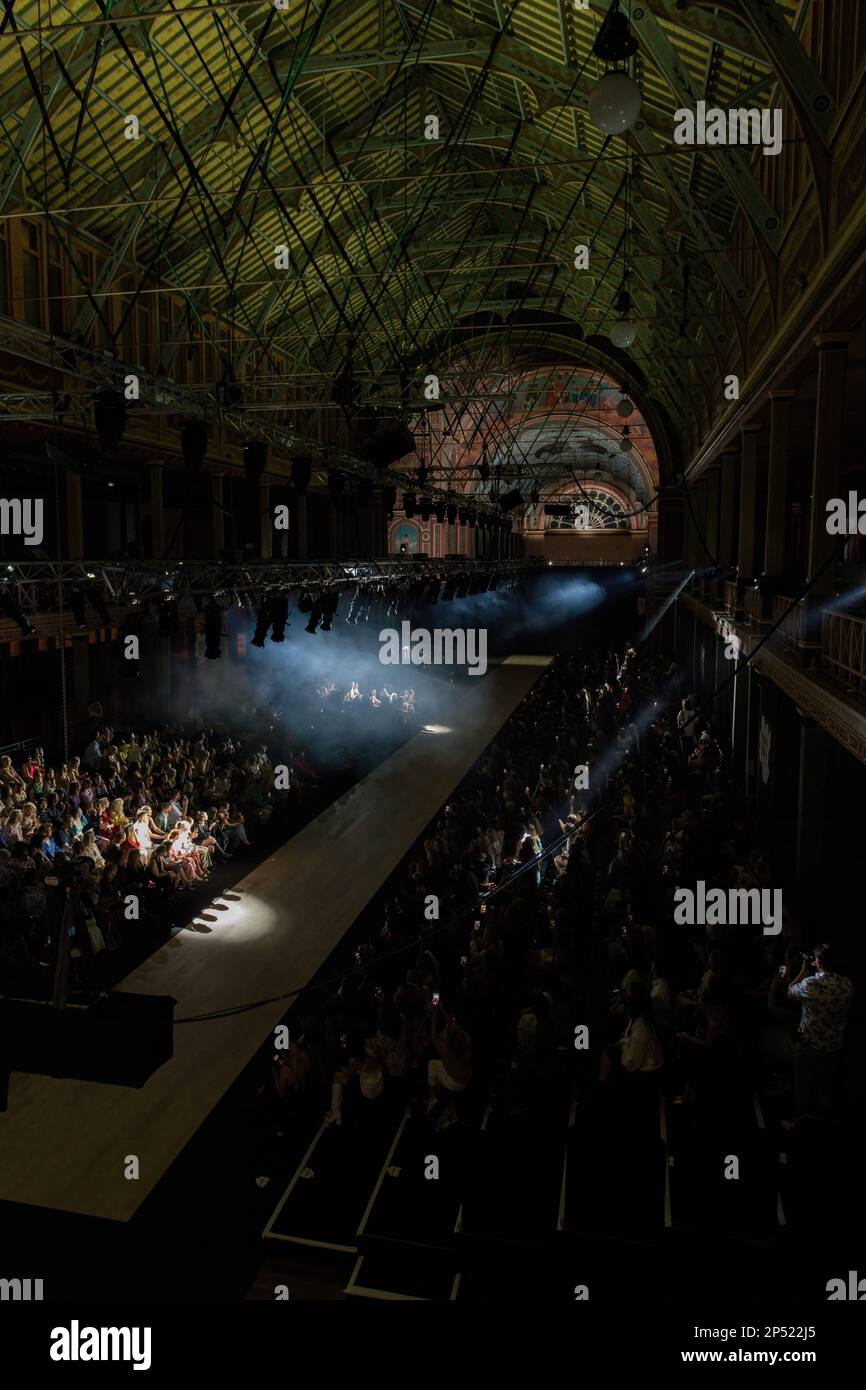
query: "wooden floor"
64, 1144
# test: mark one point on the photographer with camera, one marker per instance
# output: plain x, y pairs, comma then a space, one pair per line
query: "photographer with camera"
825, 998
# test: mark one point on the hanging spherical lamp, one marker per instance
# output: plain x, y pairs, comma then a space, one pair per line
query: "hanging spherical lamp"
614, 103
625, 408
623, 333
625, 443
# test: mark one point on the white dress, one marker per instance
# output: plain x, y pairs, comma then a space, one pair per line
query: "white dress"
143, 838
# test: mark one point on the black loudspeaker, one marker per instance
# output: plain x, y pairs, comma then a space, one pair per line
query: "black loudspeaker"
120, 1040
390, 442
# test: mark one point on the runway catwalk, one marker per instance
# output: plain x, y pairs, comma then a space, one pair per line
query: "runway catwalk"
65, 1144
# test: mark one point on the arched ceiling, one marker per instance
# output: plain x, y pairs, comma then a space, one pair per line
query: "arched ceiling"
304, 127
557, 450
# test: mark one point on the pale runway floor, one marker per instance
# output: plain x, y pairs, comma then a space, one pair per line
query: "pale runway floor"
64, 1144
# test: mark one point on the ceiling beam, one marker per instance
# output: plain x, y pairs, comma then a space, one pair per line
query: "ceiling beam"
730, 159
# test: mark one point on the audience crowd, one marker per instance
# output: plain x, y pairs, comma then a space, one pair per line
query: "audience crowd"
140, 814
542, 900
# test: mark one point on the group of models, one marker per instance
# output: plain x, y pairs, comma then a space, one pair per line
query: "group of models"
405, 701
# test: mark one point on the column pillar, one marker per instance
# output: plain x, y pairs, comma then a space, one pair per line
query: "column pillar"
713, 487
218, 516
739, 726
301, 524
727, 499
753, 724
814, 761
826, 458
699, 506
157, 510
777, 483
74, 514
765, 763
266, 521
690, 539
748, 504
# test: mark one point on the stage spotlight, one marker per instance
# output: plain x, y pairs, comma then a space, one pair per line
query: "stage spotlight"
389, 501
10, 607
280, 615
451, 513
439, 513
213, 648
409, 501
329, 608
315, 617
78, 605
464, 515
305, 602
425, 507
263, 622
471, 518
167, 615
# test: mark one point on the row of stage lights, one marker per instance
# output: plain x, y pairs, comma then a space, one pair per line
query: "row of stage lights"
451, 513
375, 602
368, 599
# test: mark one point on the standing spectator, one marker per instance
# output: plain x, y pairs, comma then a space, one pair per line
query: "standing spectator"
825, 998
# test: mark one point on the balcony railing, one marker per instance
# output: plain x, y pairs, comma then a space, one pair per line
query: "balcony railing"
755, 604
729, 594
791, 627
843, 650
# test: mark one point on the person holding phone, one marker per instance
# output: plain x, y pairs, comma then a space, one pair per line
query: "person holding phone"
452, 1069
824, 996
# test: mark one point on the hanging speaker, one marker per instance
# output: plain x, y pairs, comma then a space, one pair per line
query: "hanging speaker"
389, 443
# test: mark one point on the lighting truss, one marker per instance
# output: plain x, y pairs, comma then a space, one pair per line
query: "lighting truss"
41, 588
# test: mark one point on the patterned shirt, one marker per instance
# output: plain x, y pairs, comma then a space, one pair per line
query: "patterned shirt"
825, 999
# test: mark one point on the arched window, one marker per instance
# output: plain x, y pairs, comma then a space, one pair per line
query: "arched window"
593, 509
